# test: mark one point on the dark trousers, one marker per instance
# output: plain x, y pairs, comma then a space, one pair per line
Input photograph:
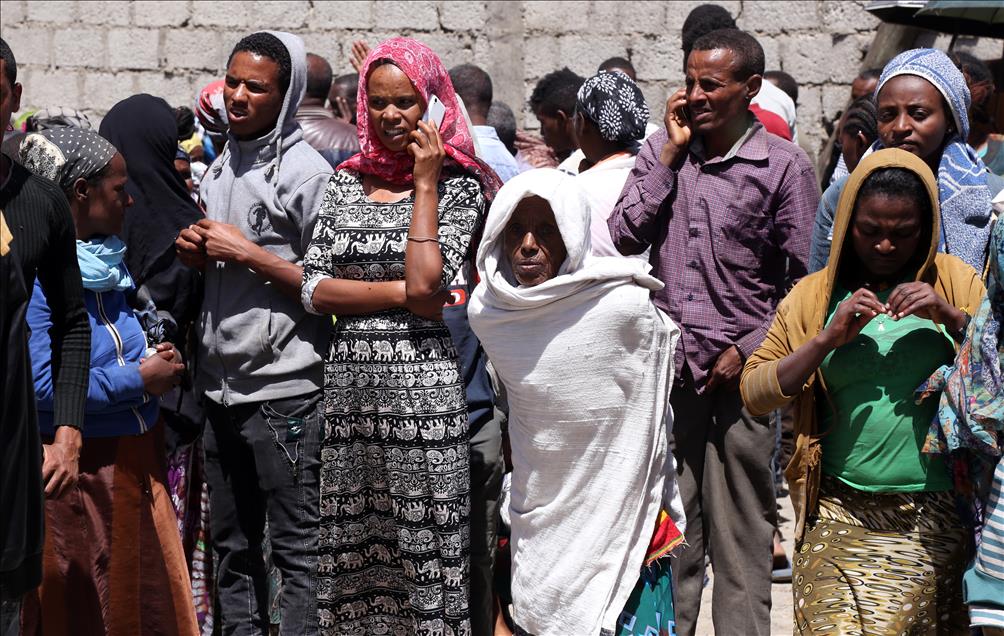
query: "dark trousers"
486, 486
723, 462
263, 459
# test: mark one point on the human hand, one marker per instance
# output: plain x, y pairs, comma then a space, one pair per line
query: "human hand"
534, 151
222, 241
919, 299
191, 249
851, 317
61, 462
360, 51
169, 352
726, 371
427, 148
160, 375
677, 129
343, 110
429, 308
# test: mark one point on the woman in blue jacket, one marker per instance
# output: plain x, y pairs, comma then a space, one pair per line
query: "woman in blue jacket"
113, 561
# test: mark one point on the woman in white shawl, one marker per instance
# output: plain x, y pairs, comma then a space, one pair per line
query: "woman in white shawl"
587, 363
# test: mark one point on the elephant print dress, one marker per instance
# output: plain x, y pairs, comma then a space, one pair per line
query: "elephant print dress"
394, 538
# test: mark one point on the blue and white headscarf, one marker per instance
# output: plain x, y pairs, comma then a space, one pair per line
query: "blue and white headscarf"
962, 177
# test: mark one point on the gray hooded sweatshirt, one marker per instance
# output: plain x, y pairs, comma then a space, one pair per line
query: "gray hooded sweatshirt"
256, 343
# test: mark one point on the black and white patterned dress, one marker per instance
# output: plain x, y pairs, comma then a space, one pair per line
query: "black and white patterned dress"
394, 535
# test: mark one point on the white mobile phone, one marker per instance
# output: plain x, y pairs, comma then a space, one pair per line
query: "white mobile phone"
435, 112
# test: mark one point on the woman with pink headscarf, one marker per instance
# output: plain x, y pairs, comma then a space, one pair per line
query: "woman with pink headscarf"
396, 224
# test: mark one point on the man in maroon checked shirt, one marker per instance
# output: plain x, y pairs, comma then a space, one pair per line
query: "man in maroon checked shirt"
727, 209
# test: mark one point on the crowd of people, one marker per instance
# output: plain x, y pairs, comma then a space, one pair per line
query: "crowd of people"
354, 355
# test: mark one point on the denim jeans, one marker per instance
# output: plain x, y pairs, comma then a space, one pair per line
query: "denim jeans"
263, 459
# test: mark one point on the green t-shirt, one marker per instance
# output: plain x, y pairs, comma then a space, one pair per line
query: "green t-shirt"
873, 441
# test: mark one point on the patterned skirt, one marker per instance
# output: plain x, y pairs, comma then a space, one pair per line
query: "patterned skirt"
881, 564
395, 481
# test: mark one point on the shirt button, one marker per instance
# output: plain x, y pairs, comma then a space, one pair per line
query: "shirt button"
695, 232
693, 264
690, 297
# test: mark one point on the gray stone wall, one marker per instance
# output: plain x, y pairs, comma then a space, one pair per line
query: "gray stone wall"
90, 54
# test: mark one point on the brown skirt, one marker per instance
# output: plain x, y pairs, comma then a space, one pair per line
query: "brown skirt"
874, 564
113, 561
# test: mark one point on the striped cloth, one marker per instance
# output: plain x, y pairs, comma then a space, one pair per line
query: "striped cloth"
985, 580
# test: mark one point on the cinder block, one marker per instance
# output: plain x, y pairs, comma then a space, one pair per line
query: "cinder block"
101, 91
51, 12
11, 13
452, 48
222, 13
30, 44
133, 49
802, 57
342, 14
844, 58
540, 57
583, 54
771, 52
769, 16
845, 16
677, 12
104, 12
176, 89
47, 87
656, 58
193, 49
644, 17
79, 47
420, 15
156, 13
463, 16
277, 16
548, 16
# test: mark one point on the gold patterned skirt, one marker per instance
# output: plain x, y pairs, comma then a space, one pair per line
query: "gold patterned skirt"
877, 564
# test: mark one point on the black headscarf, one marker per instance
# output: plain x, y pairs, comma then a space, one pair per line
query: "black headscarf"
145, 131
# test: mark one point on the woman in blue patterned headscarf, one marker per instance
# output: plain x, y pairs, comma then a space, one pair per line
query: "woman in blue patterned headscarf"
923, 107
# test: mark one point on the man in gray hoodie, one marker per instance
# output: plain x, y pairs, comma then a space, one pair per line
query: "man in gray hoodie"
260, 352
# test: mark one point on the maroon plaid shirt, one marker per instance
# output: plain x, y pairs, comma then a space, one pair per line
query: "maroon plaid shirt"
729, 237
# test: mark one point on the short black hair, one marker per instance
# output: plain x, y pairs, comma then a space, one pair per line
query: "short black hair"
974, 67
556, 91
186, 122
9, 63
318, 76
785, 82
266, 44
502, 119
702, 20
474, 86
749, 53
617, 62
349, 79
870, 73
862, 117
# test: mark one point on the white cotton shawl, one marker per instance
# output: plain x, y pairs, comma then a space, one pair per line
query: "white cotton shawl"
587, 363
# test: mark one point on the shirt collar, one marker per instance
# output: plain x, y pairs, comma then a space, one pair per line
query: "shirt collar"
486, 132
751, 145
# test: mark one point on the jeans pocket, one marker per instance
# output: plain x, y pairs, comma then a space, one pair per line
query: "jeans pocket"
287, 431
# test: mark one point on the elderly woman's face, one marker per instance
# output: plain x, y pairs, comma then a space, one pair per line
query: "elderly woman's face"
395, 107
533, 242
912, 116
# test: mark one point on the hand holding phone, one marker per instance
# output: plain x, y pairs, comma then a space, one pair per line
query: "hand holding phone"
678, 129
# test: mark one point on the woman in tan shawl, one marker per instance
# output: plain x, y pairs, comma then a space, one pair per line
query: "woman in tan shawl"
880, 547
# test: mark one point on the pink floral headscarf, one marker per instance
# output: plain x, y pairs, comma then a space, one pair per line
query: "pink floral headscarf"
429, 77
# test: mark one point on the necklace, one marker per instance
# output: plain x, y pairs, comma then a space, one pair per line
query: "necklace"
881, 322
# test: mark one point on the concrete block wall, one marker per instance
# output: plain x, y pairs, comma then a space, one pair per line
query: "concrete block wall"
89, 54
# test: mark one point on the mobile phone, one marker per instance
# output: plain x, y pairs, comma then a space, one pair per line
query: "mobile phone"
434, 112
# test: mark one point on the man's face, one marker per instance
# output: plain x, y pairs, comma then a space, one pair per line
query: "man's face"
10, 97
715, 98
533, 243
252, 95
556, 130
